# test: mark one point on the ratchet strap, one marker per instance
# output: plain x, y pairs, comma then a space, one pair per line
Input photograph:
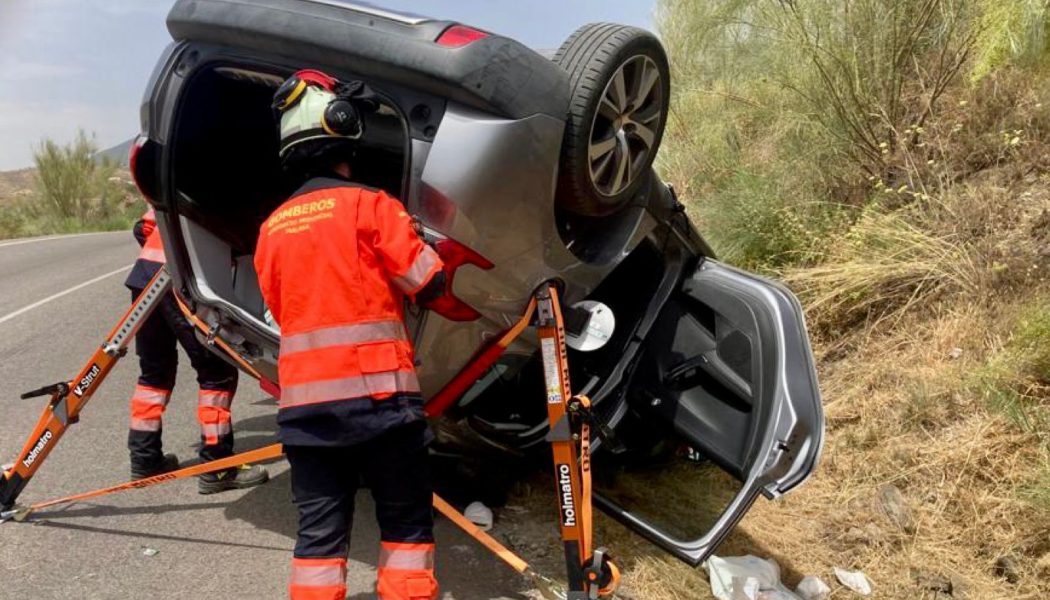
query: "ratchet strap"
586, 508
212, 337
251, 456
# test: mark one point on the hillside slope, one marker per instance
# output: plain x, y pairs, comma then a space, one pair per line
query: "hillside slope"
890, 161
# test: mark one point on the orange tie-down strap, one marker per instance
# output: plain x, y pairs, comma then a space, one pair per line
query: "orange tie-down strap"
207, 331
261, 454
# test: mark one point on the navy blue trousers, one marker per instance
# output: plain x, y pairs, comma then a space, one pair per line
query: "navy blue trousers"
156, 346
325, 479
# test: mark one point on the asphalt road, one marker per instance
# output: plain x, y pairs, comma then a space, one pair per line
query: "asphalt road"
231, 545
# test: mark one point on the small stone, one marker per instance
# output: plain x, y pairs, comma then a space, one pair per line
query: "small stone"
896, 508
854, 580
869, 535
150, 551
813, 588
1007, 567
934, 582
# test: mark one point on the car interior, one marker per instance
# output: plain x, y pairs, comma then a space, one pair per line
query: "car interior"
229, 177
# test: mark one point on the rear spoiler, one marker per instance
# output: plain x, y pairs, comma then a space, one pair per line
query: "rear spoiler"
495, 74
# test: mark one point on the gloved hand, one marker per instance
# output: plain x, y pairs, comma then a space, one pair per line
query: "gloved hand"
142, 230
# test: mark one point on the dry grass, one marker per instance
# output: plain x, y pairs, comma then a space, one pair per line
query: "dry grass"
930, 309
922, 254
883, 266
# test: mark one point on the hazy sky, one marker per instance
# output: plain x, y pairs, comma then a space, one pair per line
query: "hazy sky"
66, 64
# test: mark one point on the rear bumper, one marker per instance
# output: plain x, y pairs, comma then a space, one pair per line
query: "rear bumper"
494, 74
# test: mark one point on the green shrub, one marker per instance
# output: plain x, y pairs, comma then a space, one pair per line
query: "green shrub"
1017, 379
1010, 32
75, 191
781, 111
73, 183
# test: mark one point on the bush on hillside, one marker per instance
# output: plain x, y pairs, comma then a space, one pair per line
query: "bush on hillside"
1010, 32
76, 190
794, 123
74, 183
891, 160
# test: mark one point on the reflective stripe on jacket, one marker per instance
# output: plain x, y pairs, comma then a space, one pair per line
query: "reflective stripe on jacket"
335, 263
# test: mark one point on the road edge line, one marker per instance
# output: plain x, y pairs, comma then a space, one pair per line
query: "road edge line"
79, 286
47, 238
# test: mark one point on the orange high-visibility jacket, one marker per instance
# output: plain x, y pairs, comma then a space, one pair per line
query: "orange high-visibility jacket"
151, 257
334, 264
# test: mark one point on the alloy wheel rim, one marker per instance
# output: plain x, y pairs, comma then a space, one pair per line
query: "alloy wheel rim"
624, 129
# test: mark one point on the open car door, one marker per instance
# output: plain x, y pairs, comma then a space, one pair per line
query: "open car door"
725, 407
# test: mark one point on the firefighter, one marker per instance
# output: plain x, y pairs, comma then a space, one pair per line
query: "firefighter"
155, 344
335, 263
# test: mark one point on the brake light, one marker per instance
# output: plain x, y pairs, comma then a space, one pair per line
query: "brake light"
458, 36
141, 163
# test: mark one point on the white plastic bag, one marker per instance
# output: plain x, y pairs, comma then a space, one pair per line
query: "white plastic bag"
812, 588
480, 515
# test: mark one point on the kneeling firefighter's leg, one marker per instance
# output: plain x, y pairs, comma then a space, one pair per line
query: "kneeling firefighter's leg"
323, 485
398, 472
144, 432
217, 380
213, 414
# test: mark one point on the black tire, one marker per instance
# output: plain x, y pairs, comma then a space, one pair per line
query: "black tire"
593, 56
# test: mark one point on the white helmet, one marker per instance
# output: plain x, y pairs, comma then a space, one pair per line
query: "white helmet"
313, 106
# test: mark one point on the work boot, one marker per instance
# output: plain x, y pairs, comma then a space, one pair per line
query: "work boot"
169, 462
236, 478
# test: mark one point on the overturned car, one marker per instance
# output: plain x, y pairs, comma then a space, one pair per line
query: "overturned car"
533, 169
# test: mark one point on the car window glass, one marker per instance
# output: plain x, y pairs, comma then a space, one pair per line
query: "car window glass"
692, 492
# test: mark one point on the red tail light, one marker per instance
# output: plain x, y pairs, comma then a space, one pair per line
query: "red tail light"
460, 35
142, 162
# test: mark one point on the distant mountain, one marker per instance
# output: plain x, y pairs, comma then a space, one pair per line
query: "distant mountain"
118, 153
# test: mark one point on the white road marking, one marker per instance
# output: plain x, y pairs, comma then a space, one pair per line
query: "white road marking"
48, 238
79, 286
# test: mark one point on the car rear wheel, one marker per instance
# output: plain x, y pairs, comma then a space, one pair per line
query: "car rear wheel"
620, 88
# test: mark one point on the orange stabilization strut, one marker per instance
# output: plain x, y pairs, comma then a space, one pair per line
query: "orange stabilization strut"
68, 398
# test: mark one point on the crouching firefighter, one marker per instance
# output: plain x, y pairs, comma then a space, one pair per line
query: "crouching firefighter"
155, 344
335, 263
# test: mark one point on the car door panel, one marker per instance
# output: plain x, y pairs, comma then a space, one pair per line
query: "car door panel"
728, 374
